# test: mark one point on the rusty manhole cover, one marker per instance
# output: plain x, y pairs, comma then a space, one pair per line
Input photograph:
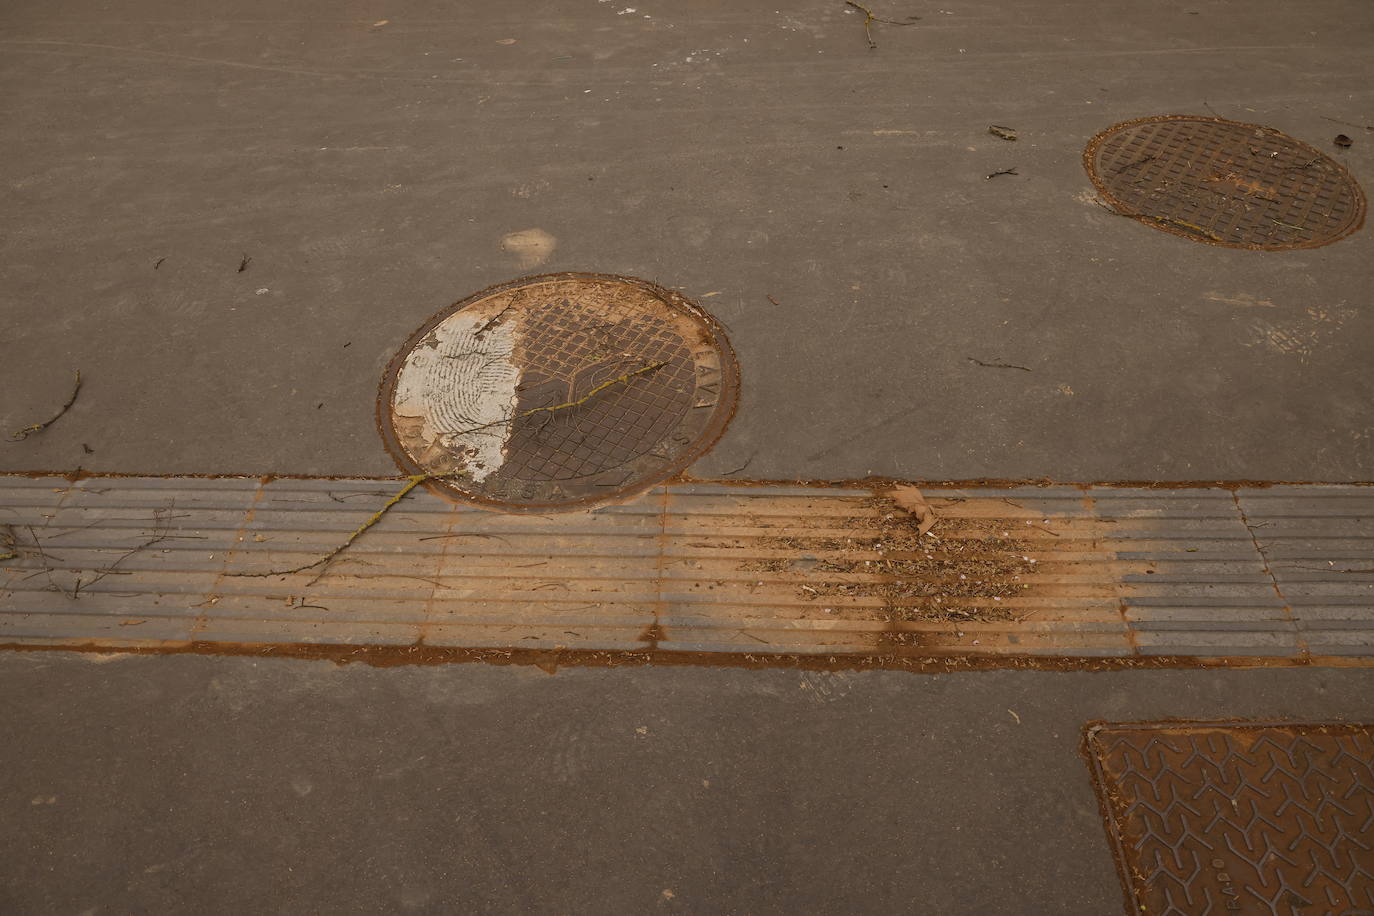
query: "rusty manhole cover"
559, 391
1262, 817
1224, 183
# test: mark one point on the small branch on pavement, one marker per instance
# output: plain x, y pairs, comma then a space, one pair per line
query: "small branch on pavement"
997, 365
413, 481
20, 435
1348, 123
870, 17
740, 468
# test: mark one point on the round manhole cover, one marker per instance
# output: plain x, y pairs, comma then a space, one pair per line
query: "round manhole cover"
1224, 183
558, 391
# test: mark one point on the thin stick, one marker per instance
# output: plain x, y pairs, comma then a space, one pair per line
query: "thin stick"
740, 468
488, 326
489, 537
1279, 222
27, 431
160, 535
1347, 123
413, 481
47, 564
619, 380
997, 365
1010, 171
869, 18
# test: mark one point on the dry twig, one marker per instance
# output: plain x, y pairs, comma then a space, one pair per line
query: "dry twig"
413, 481
997, 365
554, 408
740, 468
160, 534
1347, 123
870, 18
22, 434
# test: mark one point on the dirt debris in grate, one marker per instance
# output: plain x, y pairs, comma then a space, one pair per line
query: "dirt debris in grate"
1224, 183
558, 391
962, 574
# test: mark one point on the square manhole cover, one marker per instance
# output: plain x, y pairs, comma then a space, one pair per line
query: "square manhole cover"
1264, 817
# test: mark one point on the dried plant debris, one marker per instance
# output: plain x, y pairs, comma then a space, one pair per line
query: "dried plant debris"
1004, 133
772, 564
413, 481
969, 573
997, 364
22, 434
1343, 141
48, 562
870, 17
1348, 123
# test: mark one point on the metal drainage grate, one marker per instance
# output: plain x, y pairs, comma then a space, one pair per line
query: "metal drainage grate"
559, 391
1273, 818
1224, 183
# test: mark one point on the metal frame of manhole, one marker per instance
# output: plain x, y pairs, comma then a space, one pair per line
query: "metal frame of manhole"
596, 399
1259, 180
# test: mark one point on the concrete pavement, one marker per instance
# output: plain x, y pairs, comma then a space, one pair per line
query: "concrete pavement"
220, 785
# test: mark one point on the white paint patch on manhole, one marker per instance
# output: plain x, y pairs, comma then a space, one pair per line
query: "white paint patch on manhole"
558, 391
458, 386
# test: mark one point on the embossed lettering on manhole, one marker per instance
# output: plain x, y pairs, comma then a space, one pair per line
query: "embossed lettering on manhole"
1267, 818
1224, 183
559, 391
